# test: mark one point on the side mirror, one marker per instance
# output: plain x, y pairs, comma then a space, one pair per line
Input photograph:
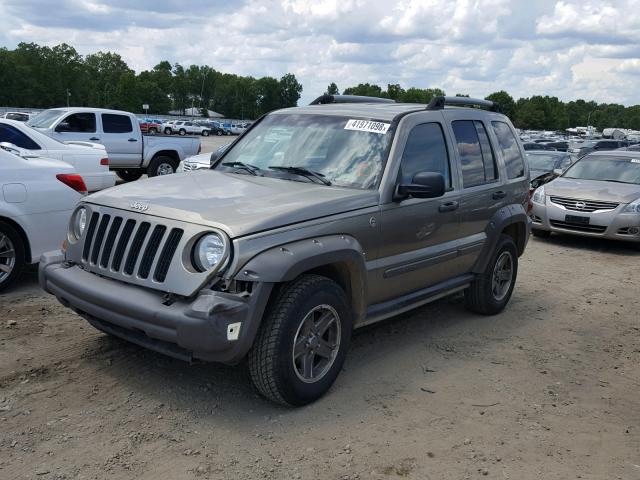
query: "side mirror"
423, 185
63, 127
214, 156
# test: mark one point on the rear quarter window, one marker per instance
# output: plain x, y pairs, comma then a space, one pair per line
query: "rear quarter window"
508, 145
113, 123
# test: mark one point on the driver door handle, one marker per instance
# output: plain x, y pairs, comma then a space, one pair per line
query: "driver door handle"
94, 139
132, 140
448, 206
499, 195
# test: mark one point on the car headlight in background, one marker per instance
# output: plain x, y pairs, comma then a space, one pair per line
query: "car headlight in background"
633, 207
78, 224
538, 196
209, 251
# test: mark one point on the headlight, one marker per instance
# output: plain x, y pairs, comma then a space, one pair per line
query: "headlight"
78, 224
538, 196
209, 251
633, 207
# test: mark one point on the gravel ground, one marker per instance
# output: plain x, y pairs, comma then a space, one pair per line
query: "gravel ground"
548, 389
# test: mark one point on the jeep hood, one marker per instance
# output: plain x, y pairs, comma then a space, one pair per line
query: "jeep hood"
236, 203
593, 190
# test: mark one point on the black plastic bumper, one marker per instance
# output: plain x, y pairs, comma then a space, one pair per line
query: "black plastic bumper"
187, 329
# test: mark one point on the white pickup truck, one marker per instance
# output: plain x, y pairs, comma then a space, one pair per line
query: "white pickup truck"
131, 154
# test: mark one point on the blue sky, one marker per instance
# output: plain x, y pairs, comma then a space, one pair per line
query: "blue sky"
570, 49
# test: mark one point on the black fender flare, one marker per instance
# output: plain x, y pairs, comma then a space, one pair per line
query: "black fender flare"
511, 218
286, 262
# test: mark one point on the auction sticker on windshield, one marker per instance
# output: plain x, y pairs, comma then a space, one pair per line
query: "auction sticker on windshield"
367, 126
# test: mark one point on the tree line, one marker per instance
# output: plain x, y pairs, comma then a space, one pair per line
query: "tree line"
35, 76
536, 112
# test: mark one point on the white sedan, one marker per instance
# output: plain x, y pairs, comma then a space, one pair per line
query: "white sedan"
89, 159
37, 196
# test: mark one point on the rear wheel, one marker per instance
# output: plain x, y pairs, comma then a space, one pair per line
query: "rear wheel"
219, 133
129, 175
540, 233
182, 132
205, 133
153, 131
12, 255
491, 291
167, 131
302, 342
161, 165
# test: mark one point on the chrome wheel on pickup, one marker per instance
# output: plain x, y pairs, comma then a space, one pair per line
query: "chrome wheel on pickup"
302, 342
12, 257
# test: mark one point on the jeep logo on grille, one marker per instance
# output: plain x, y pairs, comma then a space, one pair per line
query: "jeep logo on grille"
139, 206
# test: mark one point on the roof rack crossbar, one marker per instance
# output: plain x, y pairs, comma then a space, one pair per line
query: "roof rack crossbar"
326, 98
438, 103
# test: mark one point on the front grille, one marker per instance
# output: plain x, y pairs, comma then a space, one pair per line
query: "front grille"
586, 206
578, 227
111, 246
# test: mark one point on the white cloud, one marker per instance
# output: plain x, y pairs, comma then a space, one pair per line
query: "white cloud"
570, 49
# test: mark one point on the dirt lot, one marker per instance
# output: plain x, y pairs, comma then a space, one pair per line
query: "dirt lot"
549, 389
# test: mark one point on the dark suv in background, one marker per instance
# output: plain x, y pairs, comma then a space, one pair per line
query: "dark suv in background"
316, 221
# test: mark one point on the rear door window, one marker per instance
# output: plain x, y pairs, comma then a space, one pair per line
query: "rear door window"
10, 134
508, 144
425, 151
113, 123
476, 156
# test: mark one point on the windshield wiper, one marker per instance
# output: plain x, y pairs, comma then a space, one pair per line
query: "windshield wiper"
252, 169
302, 171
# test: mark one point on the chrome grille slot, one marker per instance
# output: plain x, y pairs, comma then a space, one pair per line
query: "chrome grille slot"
123, 241
586, 206
150, 251
166, 256
89, 237
97, 243
136, 246
110, 242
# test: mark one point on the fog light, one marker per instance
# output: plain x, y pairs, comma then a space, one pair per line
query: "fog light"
634, 230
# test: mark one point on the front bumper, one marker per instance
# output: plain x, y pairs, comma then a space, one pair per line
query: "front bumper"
610, 224
212, 326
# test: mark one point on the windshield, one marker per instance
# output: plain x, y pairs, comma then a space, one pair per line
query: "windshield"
45, 119
544, 162
344, 151
606, 168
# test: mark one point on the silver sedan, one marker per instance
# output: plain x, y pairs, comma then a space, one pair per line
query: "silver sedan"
598, 196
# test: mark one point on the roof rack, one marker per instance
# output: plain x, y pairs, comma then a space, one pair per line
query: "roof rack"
438, 103
326, 98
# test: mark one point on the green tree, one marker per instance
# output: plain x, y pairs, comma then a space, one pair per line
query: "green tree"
332, 89
506, 102
290, 90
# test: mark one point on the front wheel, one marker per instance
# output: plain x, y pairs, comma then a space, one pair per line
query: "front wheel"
491, 291
219, 133
129, 175
12, 255
161, 165
302, 342
167, 131
205, 133
153, 131
182, 132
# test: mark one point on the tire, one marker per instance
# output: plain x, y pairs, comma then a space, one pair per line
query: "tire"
205, 133
219, 133
153, 131
182, 132
540, 233
161, 165
129, 175
485, 297
167, 131
12, 255
276, 373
